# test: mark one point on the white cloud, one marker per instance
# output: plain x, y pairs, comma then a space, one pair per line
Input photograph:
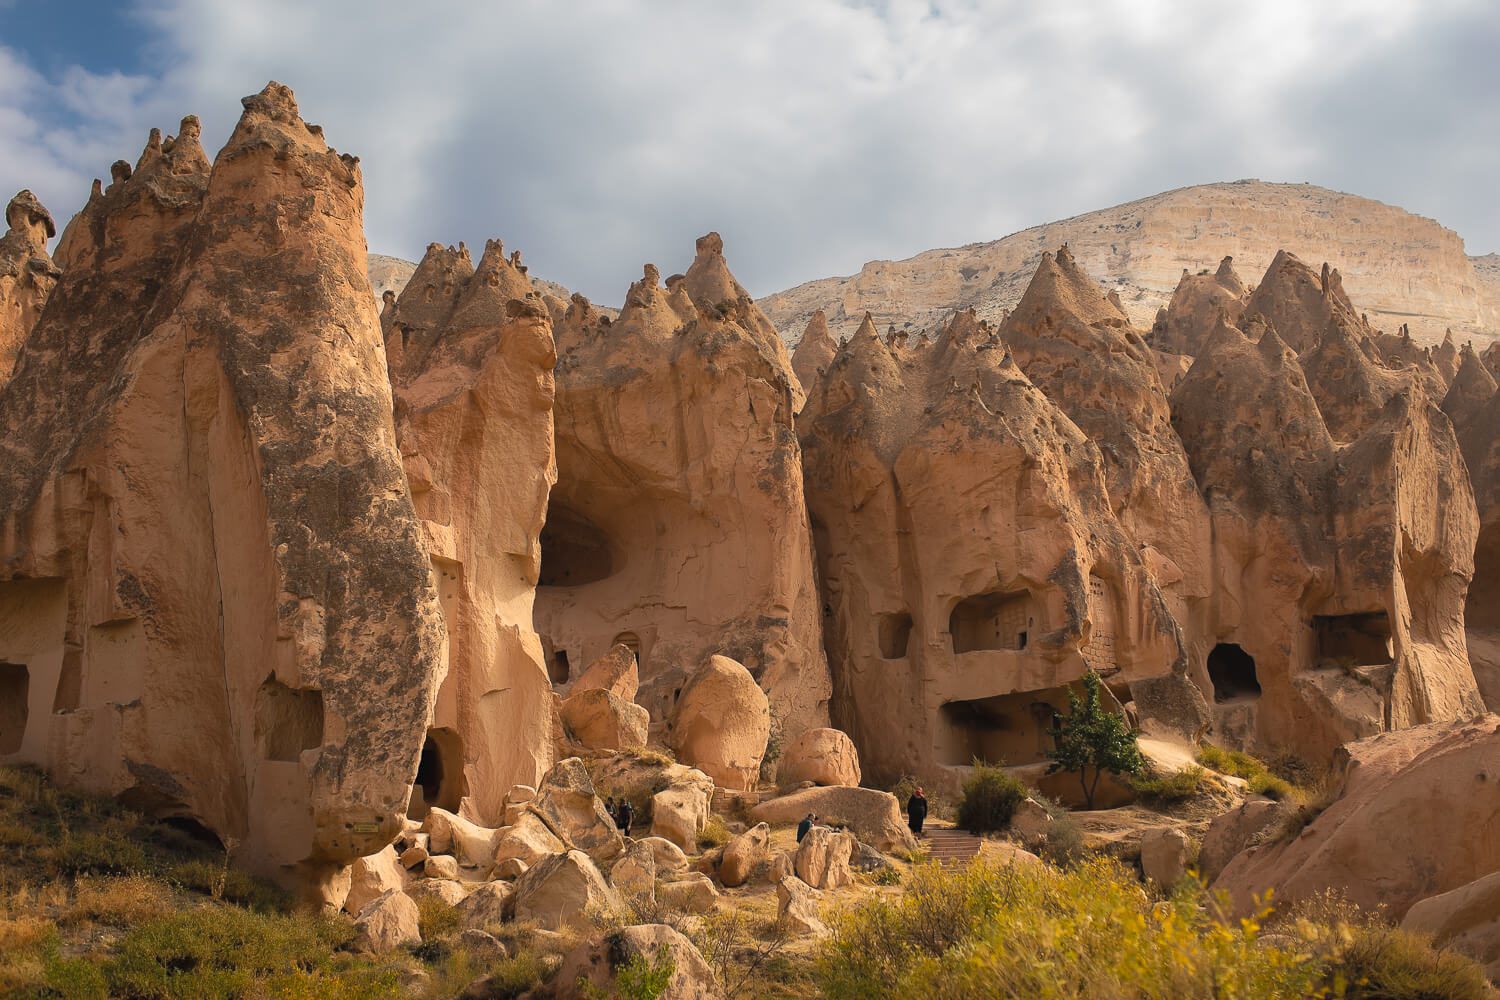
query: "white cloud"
814, 134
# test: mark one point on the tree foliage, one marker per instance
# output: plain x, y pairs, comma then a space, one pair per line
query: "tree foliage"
1091, 740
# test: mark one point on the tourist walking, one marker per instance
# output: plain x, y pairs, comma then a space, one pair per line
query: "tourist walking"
626, 818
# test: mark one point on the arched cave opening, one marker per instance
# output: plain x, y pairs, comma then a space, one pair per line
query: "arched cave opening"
15, 687
1232, 671
440, 774
1003, 729
991, 621
575, 550
558, 670
1359, 640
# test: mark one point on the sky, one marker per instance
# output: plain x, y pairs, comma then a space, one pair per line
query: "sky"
814, 135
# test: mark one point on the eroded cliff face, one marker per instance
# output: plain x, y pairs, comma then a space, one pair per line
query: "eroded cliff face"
1343, 529
216, 593
27, 274
678, 525
1401, 267
971, 564
471, 357
1474, 406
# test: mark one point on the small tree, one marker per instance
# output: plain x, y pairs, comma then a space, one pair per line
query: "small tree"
1089, 738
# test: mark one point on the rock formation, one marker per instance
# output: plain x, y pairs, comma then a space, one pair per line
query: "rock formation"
815, 351
215, 594
1401, 267
677, 526
971, 564
1196, 305
470, 354
1339, 566
1474, 406
1404, 826
27, 274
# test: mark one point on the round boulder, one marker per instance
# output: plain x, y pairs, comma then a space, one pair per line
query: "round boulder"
721, 723
823, 756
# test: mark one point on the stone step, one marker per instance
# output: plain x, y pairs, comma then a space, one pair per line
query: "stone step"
948, 846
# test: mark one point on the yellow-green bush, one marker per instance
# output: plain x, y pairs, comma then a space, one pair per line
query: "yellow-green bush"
990, 798
1175, 787
1093, 931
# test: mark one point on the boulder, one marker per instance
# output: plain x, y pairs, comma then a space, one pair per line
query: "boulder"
1031, 821
822, 859
414, 856
449, 833
690, 893
600, 720
485, 906
528, 840
615, 672
515, 802
482, 945
743, 853
1164, 855
448, 890
822, 756
634, 872
797, 907
783, 863
388, 921
599, 960
1466, 919
680, 812
511, 869
1401, 829
1231, 832
441, 866
566, 802
721, 723
873, 815
373, 876
565, 889
669, 857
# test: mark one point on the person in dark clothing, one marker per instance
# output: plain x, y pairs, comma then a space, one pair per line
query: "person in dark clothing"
805, 825
612, 811
626, 817
916, 811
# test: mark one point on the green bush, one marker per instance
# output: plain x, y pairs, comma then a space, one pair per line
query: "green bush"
1385, 963
90, 853
989, 800
1182, 785
714, 833
1090, 740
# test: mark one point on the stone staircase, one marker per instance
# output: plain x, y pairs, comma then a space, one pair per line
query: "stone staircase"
948, 846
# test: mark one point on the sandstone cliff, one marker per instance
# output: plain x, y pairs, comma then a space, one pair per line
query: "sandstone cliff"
471, 355
1401, 267
216, 593
677, 525
971, 564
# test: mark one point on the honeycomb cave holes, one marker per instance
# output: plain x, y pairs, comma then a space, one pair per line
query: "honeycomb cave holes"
992, 621
894, 635
15, 687
1232, 672
575, 550
440, 780
287, 721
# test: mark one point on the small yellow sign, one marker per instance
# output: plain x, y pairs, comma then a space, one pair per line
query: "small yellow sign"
366, 827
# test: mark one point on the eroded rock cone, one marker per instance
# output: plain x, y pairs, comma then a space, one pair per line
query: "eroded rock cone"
27, 274
680, 487
815, 352
241, 586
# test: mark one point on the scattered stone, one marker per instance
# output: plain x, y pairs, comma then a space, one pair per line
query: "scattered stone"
528, 840
721, 723
564, 890
668, 856
448, 890
600, 720
874, 816
566, 802
442, 866
634, 873
486, 905
743, 853
1164, 855
797, 907
821, 756
690, 893
1031, 821
822, 859
616, 672
511, 869
372, 877
388, 921
482, 944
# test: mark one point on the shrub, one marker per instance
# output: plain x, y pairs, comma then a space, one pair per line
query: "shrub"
714, 833
119, 902
1184, 784
1091, 739
989, 800
1381, 961
91, 853
1267, 784
1064, 844
436, 918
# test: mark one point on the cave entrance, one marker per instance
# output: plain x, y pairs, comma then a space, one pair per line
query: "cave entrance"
558, 669
991, 621
1482, 611
1232, 671
630, 641
1004, 729
575, 550
15, 687
287, 721
440, 774
1362, 640
894, 635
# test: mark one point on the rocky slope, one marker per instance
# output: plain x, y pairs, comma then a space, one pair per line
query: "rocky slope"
1401, 267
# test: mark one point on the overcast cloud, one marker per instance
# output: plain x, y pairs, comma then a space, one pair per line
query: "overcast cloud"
813, 134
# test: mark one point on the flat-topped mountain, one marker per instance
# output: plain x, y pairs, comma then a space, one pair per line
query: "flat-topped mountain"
1401, 267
